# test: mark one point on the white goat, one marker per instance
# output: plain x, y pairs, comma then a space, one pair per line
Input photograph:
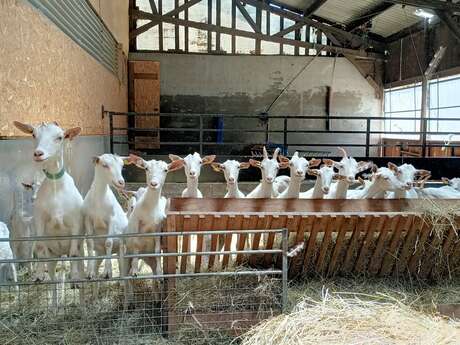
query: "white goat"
347, 168
231, 170
149, 212
22, 225
269, 169
102, 213
57, 209
407, 174
298, 168
451, 191
192, 165
7, 270
324, 177
384, 180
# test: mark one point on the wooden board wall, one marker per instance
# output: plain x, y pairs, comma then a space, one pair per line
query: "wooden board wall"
144, 97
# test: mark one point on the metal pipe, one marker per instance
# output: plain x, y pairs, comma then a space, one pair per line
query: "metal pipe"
150, 234
157, 276
148, 255
285, 239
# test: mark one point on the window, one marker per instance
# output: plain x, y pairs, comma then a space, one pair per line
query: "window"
405, 102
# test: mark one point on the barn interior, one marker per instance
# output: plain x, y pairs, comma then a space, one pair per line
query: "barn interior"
378, 78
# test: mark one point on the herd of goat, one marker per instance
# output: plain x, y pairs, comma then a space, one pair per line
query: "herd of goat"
60, 210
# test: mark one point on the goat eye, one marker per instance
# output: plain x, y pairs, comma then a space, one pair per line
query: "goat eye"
59, 138
105, 166
166, 170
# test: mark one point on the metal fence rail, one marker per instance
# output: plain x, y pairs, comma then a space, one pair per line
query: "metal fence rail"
206, 133
198, 307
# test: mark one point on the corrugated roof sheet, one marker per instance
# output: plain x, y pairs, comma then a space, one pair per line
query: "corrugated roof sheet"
394, 20
343, 12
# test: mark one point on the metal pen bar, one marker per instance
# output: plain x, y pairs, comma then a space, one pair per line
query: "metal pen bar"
285, 239
140, 256
156, 276
150, 234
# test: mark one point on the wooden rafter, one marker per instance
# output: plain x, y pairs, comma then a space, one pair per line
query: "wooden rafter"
313, 7
294, 27
247, 16
153, 6
254, 35
429, 4
369, 15
174, 12
324, 28
450, 22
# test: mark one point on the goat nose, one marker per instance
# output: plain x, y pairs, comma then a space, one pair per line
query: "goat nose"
154, 184
38, 153
231, 179
325, 189
299, 172
121, 182
192, 172
269, 179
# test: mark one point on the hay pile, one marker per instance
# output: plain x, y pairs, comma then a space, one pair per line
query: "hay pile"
354, 319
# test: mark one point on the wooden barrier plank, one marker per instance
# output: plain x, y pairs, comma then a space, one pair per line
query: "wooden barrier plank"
333, 223
235, 223
249, 223
348, 223
319, 224
415, 261
277, 223
393, 248
347, 266
408, 246
295, 263
293, 223
205, 224
220, 223
375, 226
263, 223
379, 252
190, 224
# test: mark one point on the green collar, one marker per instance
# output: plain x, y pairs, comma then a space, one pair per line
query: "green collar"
54, 176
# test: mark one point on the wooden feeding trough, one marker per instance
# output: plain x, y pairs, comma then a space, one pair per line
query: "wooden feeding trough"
329, 237
340, 237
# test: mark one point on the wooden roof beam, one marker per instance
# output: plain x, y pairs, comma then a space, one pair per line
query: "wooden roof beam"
313, 7
369, 15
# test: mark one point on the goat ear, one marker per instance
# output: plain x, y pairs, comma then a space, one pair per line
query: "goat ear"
328, 162
363, 165
175, 165
283, 159
254, 163
217, 167
314, 162
339, 177
28, 186
174, 158
244, 165
313, 172
208, 159
422, 172
96, 159
276, 153
265, 153
28, 129
343, 152
338, 165
136, 160
445, 180
392, 166
72, 133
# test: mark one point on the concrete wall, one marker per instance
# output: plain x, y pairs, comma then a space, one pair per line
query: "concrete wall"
248, 84
46, 76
